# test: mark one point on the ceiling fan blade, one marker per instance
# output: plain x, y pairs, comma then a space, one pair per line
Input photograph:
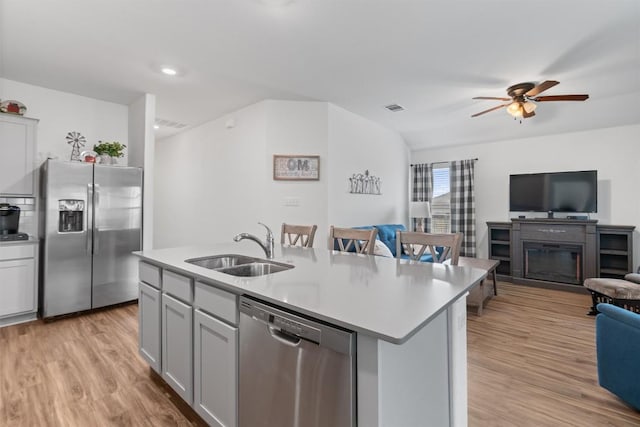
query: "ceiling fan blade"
492, 97
561, 98
541, 87
489, 110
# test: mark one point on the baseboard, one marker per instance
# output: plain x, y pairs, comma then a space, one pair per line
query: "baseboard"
22, 318
551, 285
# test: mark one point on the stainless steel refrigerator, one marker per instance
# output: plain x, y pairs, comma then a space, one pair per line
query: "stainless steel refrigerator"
90, 224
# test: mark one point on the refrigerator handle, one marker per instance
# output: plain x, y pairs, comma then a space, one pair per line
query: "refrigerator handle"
89, 217
96, 214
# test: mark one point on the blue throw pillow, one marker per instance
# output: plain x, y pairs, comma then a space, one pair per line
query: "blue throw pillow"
387, 234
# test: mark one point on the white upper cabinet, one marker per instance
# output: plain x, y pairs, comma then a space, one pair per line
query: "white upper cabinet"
17, 155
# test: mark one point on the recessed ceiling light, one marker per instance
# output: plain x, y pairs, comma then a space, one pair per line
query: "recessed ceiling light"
169, 71
276, 3
156, 126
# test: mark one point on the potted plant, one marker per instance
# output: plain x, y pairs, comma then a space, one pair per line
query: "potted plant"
109, 151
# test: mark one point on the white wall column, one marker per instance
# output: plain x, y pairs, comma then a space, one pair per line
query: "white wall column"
142, 115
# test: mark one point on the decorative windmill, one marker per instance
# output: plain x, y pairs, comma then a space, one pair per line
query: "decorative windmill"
77, 141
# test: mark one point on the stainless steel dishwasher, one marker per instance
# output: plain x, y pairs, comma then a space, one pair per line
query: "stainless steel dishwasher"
294, 371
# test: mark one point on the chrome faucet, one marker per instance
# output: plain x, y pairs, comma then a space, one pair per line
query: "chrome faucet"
267, 245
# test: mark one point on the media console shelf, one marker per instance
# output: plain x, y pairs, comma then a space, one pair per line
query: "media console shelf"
615, 250
559, 253
500, 248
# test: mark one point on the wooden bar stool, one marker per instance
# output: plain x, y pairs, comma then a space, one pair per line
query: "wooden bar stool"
440, 246
294, 234
353, 240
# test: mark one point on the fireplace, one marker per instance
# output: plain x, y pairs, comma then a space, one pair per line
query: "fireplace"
553, 262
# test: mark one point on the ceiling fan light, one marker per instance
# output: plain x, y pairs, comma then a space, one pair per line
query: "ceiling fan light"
529, 107
514, 109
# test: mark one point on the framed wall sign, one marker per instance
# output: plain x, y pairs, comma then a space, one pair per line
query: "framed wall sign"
296, 168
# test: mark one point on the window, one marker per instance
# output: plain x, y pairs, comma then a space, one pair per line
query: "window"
441, 202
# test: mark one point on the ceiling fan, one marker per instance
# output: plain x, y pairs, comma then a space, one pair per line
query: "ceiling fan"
523, 97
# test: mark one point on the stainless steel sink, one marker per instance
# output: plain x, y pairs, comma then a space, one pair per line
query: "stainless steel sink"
256, 269
239, 265
221, 261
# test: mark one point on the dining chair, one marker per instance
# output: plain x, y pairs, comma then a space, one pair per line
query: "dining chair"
440, 246
294, 234
353, 240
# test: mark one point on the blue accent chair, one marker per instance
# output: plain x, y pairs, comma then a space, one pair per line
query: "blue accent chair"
618, 352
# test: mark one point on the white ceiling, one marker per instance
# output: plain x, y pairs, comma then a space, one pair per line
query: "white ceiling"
429, 56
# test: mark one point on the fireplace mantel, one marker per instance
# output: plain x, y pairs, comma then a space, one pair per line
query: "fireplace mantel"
605, 250
581, 233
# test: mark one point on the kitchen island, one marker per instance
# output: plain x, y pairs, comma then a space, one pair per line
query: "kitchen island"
409, 321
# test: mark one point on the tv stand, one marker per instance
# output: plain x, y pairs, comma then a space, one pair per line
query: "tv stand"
559, 253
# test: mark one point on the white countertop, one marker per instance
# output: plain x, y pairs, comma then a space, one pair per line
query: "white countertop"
31, 241
382, 297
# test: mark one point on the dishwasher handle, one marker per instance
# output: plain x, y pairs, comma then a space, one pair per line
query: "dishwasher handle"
286, 339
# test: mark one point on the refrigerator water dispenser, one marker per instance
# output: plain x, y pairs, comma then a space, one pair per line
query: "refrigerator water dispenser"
70, 216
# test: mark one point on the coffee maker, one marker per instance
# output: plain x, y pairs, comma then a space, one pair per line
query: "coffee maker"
9, 223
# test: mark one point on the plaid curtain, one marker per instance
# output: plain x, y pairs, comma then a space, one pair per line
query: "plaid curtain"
463, 204
422, 189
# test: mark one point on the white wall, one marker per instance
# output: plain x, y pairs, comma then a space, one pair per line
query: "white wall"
213, 182
60, 113
298, 128
614, 152
210, 181
142, 113
355, 145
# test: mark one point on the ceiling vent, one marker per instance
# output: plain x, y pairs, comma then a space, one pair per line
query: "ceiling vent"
394, 108
170, 124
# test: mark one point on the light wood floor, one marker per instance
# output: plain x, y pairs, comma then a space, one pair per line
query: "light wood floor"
531, 363
82, 371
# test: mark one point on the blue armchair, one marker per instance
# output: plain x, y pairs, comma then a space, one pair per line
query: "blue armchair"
387, 235
618, 349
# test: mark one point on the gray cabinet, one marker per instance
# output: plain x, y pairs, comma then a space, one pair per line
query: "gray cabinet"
17, 161
500, 247
18, 283
149, 325
177, 346
18, 295
215, 370
582, 248
188, 333
615, 250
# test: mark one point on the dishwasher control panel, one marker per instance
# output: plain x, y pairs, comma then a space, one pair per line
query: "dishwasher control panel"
295, 328
288, 323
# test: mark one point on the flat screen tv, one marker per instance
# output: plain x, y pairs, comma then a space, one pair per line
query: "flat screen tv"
554, 192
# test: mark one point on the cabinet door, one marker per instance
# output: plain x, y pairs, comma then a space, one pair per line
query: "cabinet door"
17, 145
149, 325
177, 346
17, 287
215, 370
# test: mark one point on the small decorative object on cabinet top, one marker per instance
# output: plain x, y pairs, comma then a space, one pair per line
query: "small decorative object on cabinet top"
88, 156
13, 107
365, 184
108, 152
76, 140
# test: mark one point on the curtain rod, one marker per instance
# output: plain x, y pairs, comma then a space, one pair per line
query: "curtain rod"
435, 163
